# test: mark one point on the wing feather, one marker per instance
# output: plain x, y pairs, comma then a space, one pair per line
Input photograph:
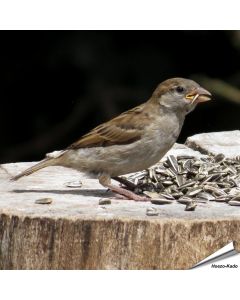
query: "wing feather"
123, 129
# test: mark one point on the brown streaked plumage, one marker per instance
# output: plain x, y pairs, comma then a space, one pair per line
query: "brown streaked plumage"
121, 130
134, 140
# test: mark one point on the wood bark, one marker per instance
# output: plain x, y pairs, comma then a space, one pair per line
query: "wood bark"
75, 232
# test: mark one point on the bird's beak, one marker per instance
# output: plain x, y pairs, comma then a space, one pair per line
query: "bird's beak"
199, 95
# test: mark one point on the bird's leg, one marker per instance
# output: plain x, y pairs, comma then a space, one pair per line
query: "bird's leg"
105, 180
131, 186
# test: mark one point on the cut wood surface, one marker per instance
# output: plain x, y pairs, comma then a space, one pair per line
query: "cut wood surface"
225, 142
75, 232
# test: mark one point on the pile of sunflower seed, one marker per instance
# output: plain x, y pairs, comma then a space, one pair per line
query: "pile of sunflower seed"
190, 180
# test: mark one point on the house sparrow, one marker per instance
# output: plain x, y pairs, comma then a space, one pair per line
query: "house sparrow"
132, 141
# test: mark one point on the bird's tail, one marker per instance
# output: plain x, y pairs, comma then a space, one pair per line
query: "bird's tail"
49, 161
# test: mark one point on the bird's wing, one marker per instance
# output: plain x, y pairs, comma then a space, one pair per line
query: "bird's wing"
124, 129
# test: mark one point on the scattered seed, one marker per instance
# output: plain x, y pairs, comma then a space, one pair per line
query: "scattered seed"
206, 196
200, 200
167, 196
214, 190
160, 201
151, 212
234, 203
165, 164
200, 176
153, 195
177, 195
187, 184
44, 201
197, 163
184, 200
187, 164
152, 175
233, 183
210, 178
234, 192
173, 163
171, 173
191, 206
222, 199
167, 182
180, 157
236, 198
194, 192
179, 180
219, 158
104, 201
224, 184
74, 184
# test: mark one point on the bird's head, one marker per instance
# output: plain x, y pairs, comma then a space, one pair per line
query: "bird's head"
180, 94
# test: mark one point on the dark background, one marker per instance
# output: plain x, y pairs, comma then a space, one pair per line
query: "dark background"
57, 85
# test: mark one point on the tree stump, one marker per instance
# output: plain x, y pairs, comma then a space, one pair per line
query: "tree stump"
75, 232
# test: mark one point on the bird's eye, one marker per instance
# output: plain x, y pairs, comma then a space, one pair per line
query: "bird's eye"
180, 89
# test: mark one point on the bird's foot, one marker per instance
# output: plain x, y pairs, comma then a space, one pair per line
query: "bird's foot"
105, 180
128, 194
134, 198
128, 184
